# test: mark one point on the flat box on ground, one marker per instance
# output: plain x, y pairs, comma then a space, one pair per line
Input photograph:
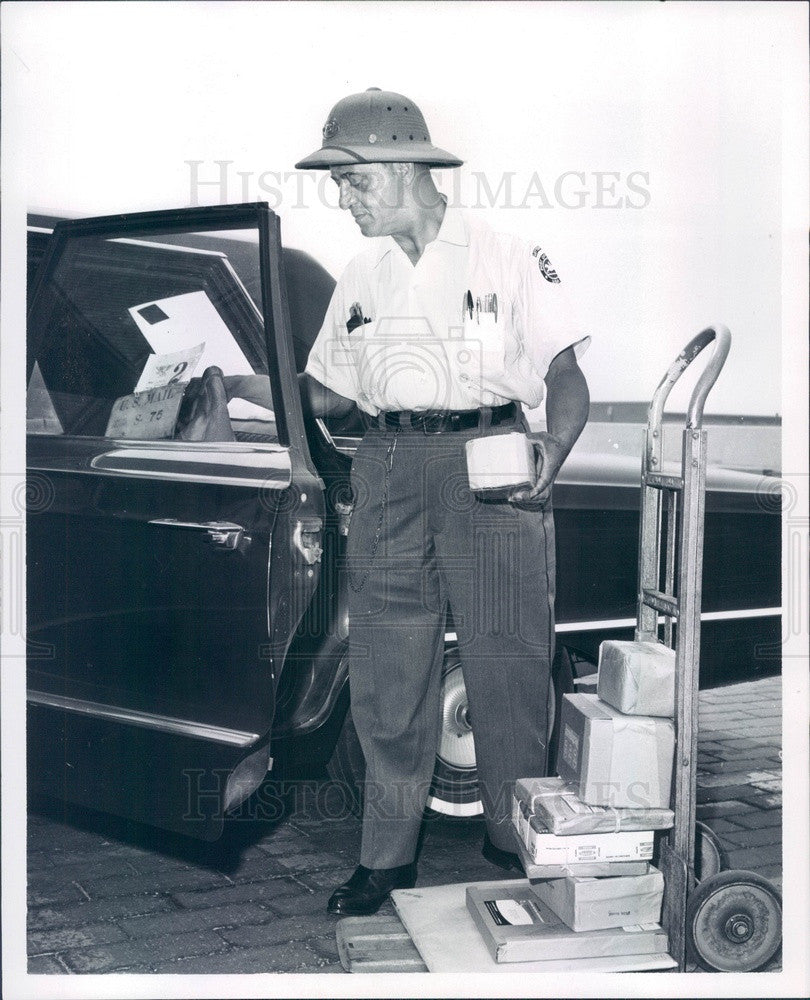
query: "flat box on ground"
637, 678
592, 904
442, 928
614, 759
516, 926
562, 811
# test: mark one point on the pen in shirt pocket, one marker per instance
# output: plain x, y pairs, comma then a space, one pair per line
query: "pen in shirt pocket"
356, 317
467, 307
487, 304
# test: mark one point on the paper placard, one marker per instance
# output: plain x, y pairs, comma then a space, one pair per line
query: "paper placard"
180, 322
146, 416
169, 369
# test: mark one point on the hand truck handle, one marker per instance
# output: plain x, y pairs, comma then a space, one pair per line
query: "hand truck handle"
722, 341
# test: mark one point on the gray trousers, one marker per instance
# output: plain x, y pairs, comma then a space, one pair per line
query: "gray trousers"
420, 540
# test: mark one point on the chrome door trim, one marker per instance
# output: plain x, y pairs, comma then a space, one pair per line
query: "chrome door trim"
223, 534
148, 720
231, 466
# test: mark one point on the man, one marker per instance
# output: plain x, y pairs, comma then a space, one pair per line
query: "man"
438, 334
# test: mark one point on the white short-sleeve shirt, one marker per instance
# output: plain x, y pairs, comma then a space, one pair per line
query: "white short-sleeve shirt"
421, 349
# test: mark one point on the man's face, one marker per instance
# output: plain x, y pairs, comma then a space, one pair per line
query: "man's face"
372, 192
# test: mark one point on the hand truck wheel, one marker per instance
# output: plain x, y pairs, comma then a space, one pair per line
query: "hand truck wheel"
734, 922
710, 859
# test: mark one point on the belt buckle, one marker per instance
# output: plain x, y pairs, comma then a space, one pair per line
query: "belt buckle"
432, 422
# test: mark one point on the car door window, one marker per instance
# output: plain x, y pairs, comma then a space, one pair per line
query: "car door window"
127, 324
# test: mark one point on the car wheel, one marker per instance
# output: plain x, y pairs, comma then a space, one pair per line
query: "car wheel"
454, 788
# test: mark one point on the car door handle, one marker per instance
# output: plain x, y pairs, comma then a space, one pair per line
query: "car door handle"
307, 539
223, 534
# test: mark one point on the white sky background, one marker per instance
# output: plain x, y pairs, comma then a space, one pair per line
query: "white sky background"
118, 97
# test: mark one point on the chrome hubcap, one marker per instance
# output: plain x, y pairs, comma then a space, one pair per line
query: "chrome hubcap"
456, 747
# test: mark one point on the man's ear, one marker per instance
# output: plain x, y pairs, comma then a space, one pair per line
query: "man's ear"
405, 171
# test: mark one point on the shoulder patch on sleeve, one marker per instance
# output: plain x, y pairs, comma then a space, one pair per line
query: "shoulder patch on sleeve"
544, 264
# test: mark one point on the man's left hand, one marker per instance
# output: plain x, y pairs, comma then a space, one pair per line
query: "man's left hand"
550, 453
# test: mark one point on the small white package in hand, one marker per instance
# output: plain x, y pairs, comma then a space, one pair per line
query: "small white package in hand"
500, 463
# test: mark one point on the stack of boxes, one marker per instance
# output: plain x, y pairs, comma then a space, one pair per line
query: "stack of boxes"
586, 836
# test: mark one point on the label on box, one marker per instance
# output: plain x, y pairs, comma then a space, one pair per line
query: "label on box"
570, 750
513, 912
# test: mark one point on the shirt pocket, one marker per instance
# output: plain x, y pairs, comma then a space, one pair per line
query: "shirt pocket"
483, 355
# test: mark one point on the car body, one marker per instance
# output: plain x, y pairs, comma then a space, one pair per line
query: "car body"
187, 619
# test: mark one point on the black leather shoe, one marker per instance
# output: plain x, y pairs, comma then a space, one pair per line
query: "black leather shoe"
368, 888
503, 859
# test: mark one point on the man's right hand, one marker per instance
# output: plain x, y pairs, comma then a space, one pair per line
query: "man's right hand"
204, 411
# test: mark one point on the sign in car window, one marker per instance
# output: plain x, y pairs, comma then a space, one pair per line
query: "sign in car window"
182, 322
146, 416
169, 369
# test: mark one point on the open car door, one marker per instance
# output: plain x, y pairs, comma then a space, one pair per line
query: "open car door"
170, 561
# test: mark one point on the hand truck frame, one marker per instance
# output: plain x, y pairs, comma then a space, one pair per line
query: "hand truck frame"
729, 921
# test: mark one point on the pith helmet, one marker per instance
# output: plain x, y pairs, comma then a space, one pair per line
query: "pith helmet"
377, 126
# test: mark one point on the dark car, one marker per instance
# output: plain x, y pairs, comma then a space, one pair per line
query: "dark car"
186, 609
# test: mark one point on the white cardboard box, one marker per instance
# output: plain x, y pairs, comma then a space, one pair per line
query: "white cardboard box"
516, 926
590, 904
600, 869
637, 678
546, 848
560, 809
614, 759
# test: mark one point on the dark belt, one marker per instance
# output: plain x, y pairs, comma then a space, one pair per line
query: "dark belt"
439, 421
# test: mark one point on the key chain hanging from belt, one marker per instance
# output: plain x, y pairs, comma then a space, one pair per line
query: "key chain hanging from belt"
389, 463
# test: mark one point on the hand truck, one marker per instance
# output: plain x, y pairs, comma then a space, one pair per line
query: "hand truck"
729, 921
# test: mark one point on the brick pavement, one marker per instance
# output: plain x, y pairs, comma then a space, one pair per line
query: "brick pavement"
105, 896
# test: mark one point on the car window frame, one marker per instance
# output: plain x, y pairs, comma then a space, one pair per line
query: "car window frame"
272, 312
